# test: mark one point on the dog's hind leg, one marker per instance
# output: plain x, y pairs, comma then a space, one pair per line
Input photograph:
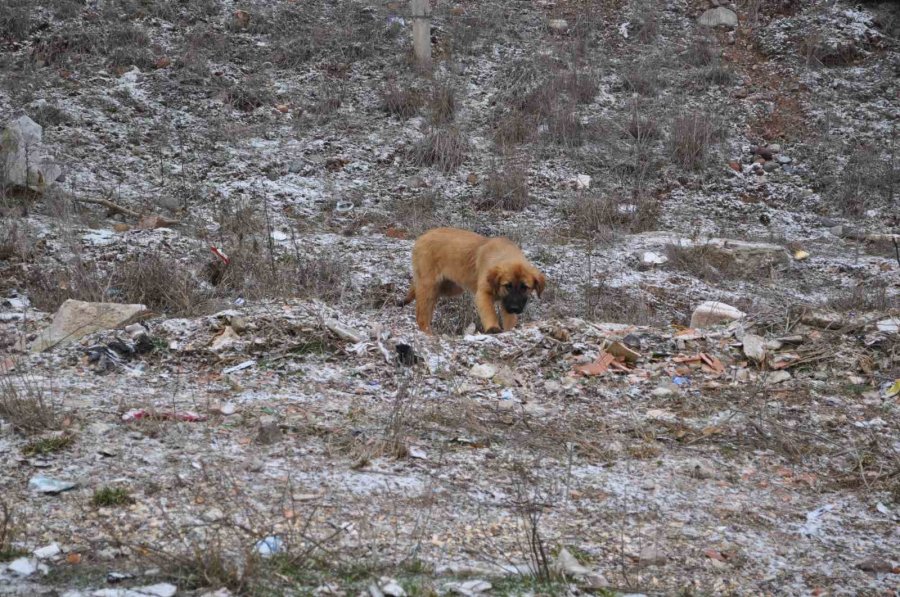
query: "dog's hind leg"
484, 302
426, 299
410, 296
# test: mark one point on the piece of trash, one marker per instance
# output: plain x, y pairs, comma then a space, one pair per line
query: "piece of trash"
222, 256
406, 355
567, 564
879, 506
417, 452
507, 394
343, 331
889, 326
893, 390
813, 520
483, 371
343, 206
117, 577
50, 486
239, 367
710, 313
623, 29
138, 414
711, 362
239, 301
618, 349
800, 254
681, 381
269, 546
755, 347
598, 367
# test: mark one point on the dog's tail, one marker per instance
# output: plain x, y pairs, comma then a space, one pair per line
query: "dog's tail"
410, 297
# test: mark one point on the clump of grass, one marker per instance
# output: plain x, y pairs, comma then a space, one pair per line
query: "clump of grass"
15, 19
444, 147
642, 79
564, 127
690, 138
108, 497
26, 405
867, 180
514, 127
602, 217
163, 286
871, 296
8, 531
127, 45
248, 94
506, 189
443, 103
417, 213
47, 445
702, 262
404, 103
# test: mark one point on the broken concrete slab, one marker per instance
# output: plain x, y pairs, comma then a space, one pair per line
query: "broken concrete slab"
76, 319
23, 156
711, 313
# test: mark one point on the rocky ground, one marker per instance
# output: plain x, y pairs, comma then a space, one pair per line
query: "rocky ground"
273, 423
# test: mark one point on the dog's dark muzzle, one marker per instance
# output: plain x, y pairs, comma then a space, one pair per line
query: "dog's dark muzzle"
514, 306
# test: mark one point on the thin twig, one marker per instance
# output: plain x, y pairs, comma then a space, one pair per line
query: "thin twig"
122, 210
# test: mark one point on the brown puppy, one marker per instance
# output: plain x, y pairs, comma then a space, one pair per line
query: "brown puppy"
447, 261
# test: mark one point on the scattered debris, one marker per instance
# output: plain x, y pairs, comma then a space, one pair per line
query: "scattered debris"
76, 319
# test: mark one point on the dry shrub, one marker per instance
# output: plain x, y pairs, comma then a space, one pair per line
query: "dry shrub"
690, 139
643, 79
248, 94
580, 87
26, 404
15, 244
9, 529
404, 103
818, 50
702, 262
445, 148
162, 284
871, 295
701, 51
127, 45
514, 127
866, 181
71, 44
506, 189
603, 217
15, 19
443, 103
564, 127
417, 213
79, 280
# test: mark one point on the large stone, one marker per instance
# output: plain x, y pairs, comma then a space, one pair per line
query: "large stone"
713, 312
76, 319
749, 254
719, 17
24, 161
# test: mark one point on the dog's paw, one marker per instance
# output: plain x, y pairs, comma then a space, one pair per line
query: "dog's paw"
494, 330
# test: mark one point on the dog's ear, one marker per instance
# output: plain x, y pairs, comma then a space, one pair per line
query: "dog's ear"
539, 283
493, 280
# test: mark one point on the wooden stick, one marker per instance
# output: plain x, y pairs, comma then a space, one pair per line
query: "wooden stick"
123, 210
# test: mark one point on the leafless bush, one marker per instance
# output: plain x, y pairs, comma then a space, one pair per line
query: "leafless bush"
871, 295
506, 189
71, 44
702, 262
564, 127
453, 316
417, 213
646, 21
818, 50
867, 180
580, 86
701, 51
48, 115
718, 74
690, 139
402, 102
26, 404
80, 280
15, 243
445, 148
248, 94
15, 19
643, 79
529, 505
600, 302
443, 103
127, 45
160, 283
8, 531
514, 127
603, 217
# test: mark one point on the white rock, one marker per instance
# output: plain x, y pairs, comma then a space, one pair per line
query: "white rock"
558, 25
651, 258
483, 371
22, 566
778, 377
24, 158
48, 551
661, 392
712, 312
755, 347
719, 17
158, 590
566, 563
469, 587
582, 182
391, 588
76, 319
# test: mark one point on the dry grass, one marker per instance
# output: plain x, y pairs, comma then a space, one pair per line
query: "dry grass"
417, 213
127, 45
690, 139
869, 296
869, 179
248, 94
15, 19
446, 148
8, 532
604, 217
162, 284
564, 127
26, 404
443, 103
702, 262
506, 189
515, 127
402, 102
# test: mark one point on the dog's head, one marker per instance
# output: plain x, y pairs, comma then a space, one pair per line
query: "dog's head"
513, 283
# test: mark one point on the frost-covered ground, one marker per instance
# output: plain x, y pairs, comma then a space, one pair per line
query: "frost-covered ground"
290, 136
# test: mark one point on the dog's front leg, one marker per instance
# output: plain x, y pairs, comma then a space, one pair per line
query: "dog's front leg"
509, 319
484, 302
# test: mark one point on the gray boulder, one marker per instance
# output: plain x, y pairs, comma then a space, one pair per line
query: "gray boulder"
23, 158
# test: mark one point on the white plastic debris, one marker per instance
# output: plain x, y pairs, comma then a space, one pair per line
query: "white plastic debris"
269, 546
48, 551
239, 366
582, 182
22, 566
651, 258
43, 484
889, 326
